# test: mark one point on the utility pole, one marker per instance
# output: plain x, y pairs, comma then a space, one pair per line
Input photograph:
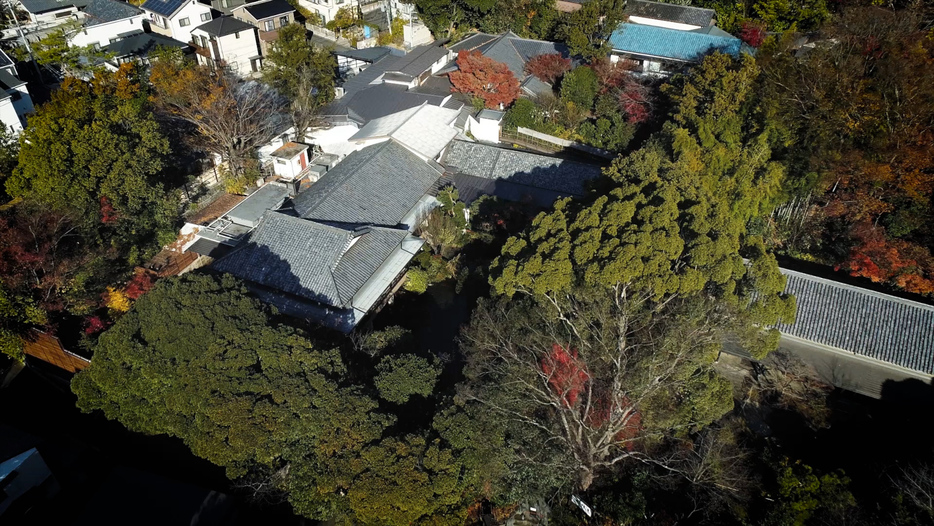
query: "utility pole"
22, 35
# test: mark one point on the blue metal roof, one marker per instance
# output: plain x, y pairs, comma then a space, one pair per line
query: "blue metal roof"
686, 46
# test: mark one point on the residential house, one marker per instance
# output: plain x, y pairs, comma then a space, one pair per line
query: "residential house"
267, 16
331, 275
15, 102
176, 18
352, 61
515, 52
52, 12
136, 48
107, 21
661, 51
385, 184
392, 84
228, 42
426, 130
418, 65
670, 16
327, 9
478, 169
224, 6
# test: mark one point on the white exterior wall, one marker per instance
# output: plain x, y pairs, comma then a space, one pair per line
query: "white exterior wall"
9, 117
289, 168
53, 18
192, 11
416, 34
235, 52
327, 9
486, 130
661, 23
102, 34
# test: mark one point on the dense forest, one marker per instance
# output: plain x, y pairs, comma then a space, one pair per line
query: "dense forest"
588, 366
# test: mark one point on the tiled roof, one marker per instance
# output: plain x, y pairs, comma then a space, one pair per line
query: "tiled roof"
41, 6
426, 129
370, 54
862, 321
141, 44
385, 99
103, 11
310, 260
166, 8
685, 46
377, 185
682, 14
270, 8
510, 49
540, 171
420, 59
224, 25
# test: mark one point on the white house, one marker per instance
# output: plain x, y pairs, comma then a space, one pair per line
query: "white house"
52, 12
107, 21
226, 41
15, 101
268, 17
327, 9
176, 18
290, 159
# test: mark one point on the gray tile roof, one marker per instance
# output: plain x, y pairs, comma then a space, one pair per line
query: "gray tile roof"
682, 14
385, 99
862, 321
103, 11
141, 44
271, 8
539, 171
420, 59
41, 6
510, 49
224, 25
370, 54
310, 260
377, 185
166, 8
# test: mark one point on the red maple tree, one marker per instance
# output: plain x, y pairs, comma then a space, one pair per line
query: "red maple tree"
752, 34
108, 212
567, 376
485, 78
549, 67
880, 259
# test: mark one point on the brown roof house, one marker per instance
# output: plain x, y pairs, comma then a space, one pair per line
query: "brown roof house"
268, 17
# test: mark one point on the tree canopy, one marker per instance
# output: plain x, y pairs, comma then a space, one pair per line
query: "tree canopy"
97, 152
484, 78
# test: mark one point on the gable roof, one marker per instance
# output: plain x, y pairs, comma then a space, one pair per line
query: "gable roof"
369, 54
681, 14
862, 321
510, 49
9, 81
377, 185
660, 42
381, 100
141, 44
540, 171
268, 9
104, 11
166, 8
318, 262
420, 59
224, 25
425, 129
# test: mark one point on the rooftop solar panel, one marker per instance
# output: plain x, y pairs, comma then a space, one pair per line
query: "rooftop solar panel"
163, 7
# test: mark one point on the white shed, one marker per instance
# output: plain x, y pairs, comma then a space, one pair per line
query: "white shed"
290, 160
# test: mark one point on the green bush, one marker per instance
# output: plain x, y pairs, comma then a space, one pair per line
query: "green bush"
580, 86
416, 280
403, 376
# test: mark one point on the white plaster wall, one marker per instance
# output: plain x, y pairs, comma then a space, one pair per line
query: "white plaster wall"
101, 34
9, 117
334, 140
486, 130
51, 18
192, 11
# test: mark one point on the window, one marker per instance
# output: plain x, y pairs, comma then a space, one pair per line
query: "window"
204, 42
280, 161
254, 64
205, 17
237, 34
283, 21
183, 22
63, 14
270, 25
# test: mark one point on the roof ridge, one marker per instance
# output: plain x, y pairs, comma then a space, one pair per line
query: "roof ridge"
376, 148
857, 289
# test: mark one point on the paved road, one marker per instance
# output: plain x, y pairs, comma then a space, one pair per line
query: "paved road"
847, 370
